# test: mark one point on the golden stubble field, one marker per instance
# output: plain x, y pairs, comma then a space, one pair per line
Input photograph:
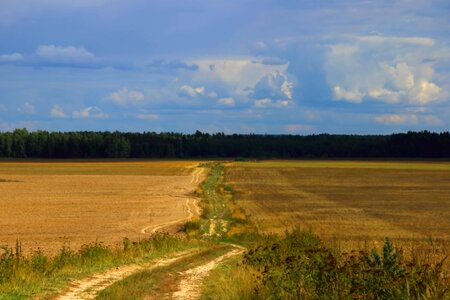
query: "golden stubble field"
48, 204
352, 204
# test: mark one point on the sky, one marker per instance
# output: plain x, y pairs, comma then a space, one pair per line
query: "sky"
232, 66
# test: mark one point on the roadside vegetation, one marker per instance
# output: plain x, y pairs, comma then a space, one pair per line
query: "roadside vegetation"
25, 277
298, 266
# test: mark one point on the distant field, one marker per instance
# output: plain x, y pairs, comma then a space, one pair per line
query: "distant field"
46, 204
351, 202
62, 167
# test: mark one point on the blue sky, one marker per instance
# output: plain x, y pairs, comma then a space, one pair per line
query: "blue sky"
266, 66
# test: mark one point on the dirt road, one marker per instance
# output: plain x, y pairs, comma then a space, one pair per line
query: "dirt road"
185, 283
191, 284
87, 288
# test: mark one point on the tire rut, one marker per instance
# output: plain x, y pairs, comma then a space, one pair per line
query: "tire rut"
87, 288
190, 286
191, 207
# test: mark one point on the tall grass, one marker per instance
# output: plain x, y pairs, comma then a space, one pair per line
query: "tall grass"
298, 266
38, 274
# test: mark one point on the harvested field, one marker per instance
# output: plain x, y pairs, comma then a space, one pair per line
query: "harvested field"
348, 202
47, 204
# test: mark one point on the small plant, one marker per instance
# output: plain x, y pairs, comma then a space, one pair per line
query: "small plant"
228, 188
39, 262
7, 264
192, 226
94, 251
64, 258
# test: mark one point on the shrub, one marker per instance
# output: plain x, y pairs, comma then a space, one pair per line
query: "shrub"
297, 266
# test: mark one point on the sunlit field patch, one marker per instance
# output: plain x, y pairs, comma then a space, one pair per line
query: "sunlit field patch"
96, 167
48, 204
347, 203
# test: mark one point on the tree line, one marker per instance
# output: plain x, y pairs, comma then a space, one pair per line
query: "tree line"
21, 143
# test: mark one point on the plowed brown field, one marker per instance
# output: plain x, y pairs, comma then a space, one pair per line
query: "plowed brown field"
347, 202
47, 204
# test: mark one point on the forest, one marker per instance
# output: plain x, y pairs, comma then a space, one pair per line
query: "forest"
22, 143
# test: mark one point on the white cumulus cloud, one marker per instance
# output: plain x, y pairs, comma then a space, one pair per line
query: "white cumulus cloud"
391, 119
342, 49
57, 112
261, 103
275, 86
64, 53
424, 92
90, 112
189, 91
233, 76
229, 101
388, 69
384, 94
27, 108
350, 95
125, 97
14, 57
379, 39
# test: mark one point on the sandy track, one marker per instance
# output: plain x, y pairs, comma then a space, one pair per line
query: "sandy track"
87, 288
191, 206
191, 284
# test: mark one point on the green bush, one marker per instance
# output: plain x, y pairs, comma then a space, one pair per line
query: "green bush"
297, 266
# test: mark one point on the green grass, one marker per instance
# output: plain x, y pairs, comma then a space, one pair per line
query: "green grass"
222, 219
41, 276
230, 280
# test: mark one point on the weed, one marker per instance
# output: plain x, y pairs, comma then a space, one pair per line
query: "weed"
7, 264
39, 262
